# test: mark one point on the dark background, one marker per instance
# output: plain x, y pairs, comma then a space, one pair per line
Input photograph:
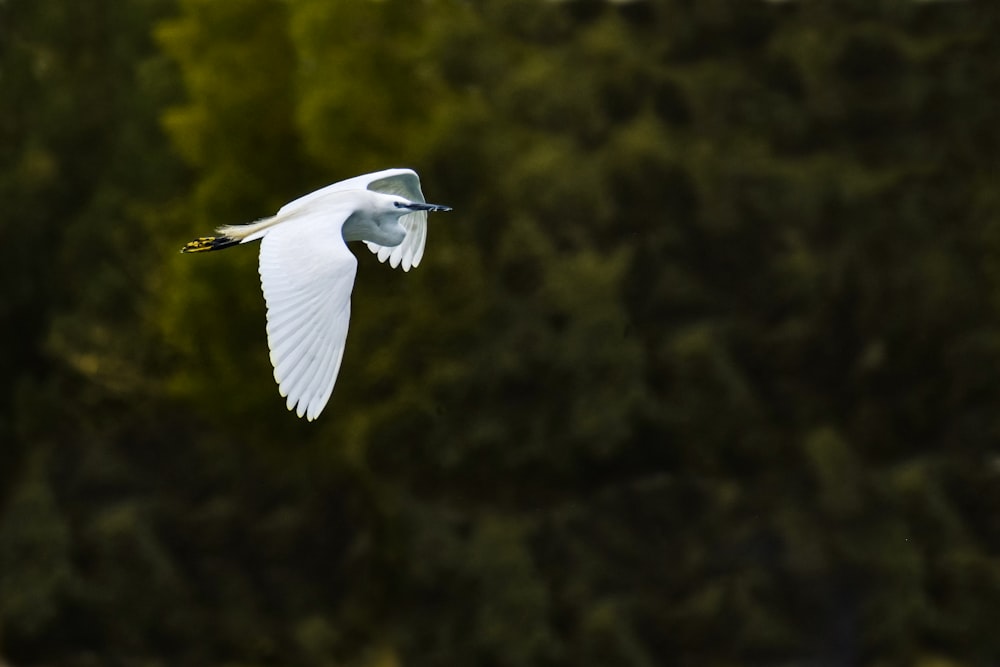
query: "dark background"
704, 368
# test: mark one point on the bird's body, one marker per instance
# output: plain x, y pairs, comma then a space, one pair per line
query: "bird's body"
307, 272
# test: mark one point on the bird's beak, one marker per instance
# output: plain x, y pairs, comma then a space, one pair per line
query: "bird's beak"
417, 206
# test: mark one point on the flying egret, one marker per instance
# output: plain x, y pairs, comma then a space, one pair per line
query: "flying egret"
307, 273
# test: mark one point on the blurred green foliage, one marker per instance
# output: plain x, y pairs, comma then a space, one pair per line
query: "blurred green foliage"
702, 370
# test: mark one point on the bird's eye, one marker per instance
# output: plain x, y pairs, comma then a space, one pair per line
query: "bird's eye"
399, 204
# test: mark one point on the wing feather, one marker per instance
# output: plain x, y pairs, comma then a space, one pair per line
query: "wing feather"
411, 250
295, 361
307, 275
331, 355
305, 359
296, 329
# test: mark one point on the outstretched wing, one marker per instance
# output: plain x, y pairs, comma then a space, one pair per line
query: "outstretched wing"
307, 274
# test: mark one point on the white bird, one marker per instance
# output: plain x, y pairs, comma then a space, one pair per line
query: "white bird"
307, 273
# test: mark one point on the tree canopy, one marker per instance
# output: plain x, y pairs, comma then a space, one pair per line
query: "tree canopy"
701, 370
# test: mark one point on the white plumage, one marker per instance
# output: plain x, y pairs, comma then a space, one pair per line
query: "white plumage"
307, 272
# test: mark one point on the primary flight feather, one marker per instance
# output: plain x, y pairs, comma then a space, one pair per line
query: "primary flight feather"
307, 273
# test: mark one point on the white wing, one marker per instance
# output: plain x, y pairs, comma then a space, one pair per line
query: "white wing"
307, 274
411, 250
401, 182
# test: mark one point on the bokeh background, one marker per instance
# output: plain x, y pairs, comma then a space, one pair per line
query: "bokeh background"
704, 368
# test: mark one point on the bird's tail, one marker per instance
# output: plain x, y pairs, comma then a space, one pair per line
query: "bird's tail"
206, 243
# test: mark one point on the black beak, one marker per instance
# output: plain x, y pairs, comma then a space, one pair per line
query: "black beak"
417, 206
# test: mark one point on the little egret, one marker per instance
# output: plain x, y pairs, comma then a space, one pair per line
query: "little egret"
307, 273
